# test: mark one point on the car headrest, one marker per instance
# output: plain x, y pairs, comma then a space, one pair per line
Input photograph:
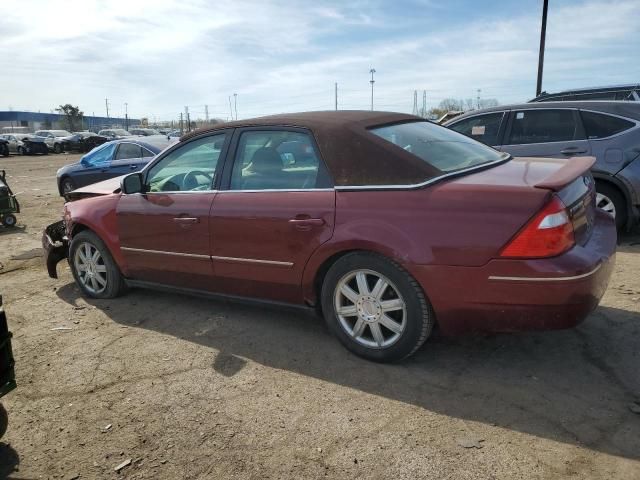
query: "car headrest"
266, 160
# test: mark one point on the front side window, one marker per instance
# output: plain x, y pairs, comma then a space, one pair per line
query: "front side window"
100, 156
484, 128
599, 125
543, 126
191, 167
128, 150
438, 146
275, 160
147, 153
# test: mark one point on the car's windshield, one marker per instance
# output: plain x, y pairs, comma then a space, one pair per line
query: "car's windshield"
440, 147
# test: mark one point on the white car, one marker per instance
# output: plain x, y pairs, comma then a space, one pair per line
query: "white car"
53, 138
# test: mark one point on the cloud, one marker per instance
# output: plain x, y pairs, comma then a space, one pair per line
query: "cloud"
281, 55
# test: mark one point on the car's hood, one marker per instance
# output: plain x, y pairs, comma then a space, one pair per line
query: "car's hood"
106, 187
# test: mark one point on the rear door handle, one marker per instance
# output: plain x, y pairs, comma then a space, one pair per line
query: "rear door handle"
572, 151
186, 220
133, 167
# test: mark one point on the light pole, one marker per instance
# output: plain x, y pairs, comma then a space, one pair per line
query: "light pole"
235, 101
372, 81
126, 116
543, 35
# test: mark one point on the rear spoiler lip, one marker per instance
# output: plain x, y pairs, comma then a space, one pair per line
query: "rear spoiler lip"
572, 169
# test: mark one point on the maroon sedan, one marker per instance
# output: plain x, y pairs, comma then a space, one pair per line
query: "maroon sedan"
385, 222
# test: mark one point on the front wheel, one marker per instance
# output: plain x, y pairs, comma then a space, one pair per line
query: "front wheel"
4, 420
93, 267
375, 307
57, 148
9, 221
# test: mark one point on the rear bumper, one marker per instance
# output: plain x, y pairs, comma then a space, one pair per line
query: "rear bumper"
511, 295
55, 245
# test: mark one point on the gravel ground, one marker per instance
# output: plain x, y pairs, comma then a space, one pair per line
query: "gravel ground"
180, 387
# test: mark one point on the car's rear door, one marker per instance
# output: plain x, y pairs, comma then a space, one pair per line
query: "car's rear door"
487, 128
542, 132
94, 166
277, 205
164, 233
129, 158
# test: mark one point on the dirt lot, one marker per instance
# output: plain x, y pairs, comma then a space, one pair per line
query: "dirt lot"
193, 388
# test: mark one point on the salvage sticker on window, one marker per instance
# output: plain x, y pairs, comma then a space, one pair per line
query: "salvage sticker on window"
477, 130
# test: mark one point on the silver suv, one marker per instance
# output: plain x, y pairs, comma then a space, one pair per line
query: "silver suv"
607, 130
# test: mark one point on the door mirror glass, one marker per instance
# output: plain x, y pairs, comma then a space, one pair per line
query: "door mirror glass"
132, 183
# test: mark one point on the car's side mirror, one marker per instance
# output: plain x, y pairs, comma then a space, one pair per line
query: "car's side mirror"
132, 184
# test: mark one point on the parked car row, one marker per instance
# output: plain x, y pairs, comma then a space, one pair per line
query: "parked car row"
23, 144
608, 131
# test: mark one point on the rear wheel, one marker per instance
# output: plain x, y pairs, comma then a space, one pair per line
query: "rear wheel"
9, 221
93, 267
4, 150
375, 307
611, 200
4, 420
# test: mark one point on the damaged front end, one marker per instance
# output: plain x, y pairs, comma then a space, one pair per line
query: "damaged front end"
55, 244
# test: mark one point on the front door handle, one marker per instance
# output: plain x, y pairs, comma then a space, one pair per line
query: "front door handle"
572, 151
186, 220
133, 167
306, 223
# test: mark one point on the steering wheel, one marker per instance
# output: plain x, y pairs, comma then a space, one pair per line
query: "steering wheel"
190, 181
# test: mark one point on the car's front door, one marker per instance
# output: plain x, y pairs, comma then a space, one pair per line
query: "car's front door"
487, 128
94, 166
128, 158
553, 132
164, 233
277, 206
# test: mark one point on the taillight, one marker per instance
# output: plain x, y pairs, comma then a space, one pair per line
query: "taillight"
547, 234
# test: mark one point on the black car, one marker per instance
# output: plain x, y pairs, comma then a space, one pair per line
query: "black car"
82, 142
7, 371
144, 132
108, 160
4, 147
25, 143
630, 93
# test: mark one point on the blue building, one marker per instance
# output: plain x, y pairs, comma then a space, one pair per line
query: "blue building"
32, 121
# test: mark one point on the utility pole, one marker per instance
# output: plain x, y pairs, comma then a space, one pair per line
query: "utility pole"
206, 113
186, 117
188, 122
126, 116
230, 107
336, 95
106, 104
181, 124
424, 104
372, 81
543, 35
415, 102
235, 102
478, 99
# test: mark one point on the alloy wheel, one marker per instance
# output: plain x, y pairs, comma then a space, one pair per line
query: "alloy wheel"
370, 308
605, 203
90, 268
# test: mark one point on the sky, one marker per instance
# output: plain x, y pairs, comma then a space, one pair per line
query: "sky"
159, 56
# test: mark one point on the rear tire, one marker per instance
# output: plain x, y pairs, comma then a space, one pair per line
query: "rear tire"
375, 307
611, 200
93, 268
9, 221
4, 421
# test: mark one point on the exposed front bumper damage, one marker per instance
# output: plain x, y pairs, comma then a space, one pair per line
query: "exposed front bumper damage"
55, 244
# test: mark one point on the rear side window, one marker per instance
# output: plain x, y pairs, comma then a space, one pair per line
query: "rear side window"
440, 147
147, 153
484, 128
598, 125
128, 150
543, 126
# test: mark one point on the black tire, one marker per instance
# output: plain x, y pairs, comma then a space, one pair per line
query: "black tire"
618, 200
115, 284
57, 148
4, 421
9, 220
66, 185
418, 315
21, 151
4, 150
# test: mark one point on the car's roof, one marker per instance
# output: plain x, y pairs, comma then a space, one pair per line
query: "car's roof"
154, 143
352, 154
622, 108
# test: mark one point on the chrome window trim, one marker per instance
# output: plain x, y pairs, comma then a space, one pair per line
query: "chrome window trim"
281, 190
162, 252
252, 260
545, 279
175, 192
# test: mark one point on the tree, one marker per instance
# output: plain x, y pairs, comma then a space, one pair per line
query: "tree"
73, 116
449, 104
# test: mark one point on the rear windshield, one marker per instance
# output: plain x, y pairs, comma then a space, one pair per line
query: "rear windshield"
444, 149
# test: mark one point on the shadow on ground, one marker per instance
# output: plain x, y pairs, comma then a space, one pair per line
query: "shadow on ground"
9, 461
572, 386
